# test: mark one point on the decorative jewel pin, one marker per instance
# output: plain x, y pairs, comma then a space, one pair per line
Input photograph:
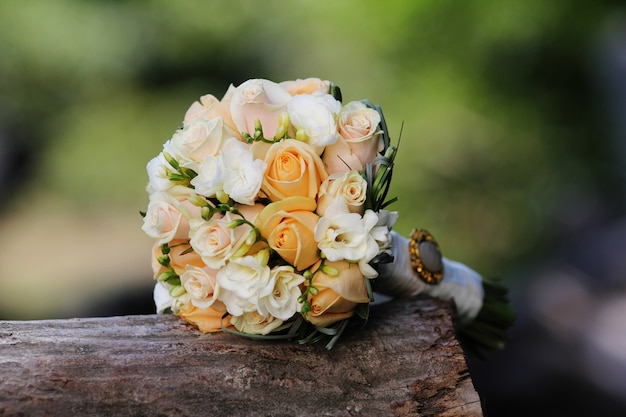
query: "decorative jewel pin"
426, 258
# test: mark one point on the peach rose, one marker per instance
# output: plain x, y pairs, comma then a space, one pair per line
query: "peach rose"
351, 187
313, 86
258, 99
180, 257
337, 295
361, 139
206, 319
293, 169
209, 107
168, 214
288, 225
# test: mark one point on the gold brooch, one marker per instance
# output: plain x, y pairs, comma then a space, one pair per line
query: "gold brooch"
426, 257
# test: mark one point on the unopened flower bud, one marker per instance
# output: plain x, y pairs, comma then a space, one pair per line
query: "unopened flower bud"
236, 223
263, 256
170, 160
283, 126
330, 270
167, 275
177, 291
302, 136
197, 200
222, 196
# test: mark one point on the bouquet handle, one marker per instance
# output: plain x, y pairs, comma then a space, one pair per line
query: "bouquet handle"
483, 313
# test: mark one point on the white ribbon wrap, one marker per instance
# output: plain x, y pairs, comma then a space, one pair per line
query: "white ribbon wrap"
461, 283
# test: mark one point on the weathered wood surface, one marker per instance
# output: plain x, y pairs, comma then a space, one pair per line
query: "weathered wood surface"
404, 362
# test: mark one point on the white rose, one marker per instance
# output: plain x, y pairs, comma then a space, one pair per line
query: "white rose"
279, 298
314, 119
351, 187
343, 235
243, 175
168, 214
158, 174
240, 281
197, 140
255, 323
200, 284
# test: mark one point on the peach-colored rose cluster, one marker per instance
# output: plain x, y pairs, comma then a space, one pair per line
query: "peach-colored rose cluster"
258, 208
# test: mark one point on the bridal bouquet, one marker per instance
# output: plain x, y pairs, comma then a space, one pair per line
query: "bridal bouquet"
268, 208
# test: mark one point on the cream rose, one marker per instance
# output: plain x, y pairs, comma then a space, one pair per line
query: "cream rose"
314, 119
216, 242
361, 139
200, 284
337, 295
351, 187
197, 140
256, 323
258, 99
288, 226
313, 86
293, 169
168, 214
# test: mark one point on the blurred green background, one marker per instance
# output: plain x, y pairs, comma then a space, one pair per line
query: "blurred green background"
509, 148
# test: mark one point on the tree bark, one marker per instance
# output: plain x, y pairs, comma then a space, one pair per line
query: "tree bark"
405, 361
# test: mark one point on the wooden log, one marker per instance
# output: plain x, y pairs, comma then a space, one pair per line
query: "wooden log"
405, 361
